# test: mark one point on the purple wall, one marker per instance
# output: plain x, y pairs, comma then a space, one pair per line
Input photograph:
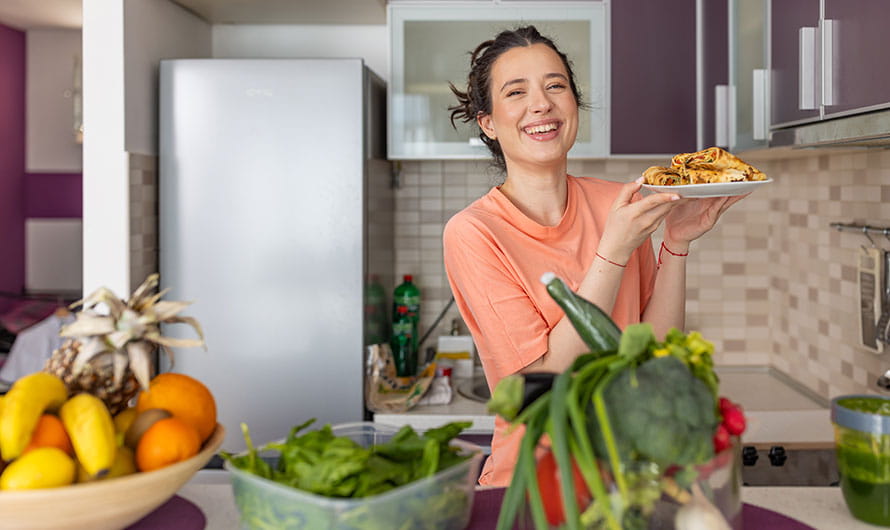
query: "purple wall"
12, 161
53, 195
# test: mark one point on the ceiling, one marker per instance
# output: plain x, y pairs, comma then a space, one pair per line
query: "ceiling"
33, 14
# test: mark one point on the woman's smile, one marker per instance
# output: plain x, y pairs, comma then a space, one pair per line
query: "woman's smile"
543, 130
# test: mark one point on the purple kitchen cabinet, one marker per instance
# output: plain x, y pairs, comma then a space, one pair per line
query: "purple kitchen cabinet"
794, 21
858, 70
653, 77
715, 14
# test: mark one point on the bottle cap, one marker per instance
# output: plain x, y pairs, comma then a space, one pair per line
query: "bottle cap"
407, 277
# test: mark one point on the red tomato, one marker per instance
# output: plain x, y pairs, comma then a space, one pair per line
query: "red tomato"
551, 492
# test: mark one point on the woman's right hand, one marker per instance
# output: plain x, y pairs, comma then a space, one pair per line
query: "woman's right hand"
631, 221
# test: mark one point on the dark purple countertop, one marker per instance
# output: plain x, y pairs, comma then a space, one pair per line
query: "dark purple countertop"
487, 505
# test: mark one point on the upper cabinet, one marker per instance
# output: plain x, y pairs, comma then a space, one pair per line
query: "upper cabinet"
653, 77
828, 59
856, 63
430, 47
793, 56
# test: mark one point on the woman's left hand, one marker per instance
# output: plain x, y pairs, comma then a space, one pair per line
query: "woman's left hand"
692, 218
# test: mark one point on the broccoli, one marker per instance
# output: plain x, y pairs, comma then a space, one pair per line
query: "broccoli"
662, 413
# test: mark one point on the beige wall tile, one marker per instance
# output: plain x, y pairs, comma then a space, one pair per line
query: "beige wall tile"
772, 284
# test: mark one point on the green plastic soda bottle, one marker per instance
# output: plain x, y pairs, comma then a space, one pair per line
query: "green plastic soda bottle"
376, 314
408, 295
402, 344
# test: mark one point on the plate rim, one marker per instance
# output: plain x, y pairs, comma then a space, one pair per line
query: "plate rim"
694, 188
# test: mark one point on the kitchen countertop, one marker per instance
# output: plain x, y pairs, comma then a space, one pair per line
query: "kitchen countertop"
821, 508
778, 410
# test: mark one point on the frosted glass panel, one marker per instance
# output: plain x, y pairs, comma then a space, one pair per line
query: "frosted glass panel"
431, 48
438, 52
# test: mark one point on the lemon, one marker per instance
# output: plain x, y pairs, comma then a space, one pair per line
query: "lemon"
45, 467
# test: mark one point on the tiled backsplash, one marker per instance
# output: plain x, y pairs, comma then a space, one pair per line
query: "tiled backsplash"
143, 217
773, 284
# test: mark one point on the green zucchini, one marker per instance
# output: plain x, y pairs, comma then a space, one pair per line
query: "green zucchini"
598, 331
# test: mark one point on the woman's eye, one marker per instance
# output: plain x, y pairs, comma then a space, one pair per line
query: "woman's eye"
556, 86
514, 93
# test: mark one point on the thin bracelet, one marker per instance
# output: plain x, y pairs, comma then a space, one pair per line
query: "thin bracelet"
664, 247
671, 252
600, 256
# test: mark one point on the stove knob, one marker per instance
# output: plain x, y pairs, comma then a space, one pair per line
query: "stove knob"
777, 455
749, 455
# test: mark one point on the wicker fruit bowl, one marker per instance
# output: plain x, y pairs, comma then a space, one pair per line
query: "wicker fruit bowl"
111, 504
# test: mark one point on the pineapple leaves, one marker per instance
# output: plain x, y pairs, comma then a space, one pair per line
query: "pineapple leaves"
88, 324
92, 346
150, 283
164, 311
192, 322
172, 342
140, 361
130, 331
120, 363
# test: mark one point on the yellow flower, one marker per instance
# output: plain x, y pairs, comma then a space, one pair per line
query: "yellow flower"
660, 352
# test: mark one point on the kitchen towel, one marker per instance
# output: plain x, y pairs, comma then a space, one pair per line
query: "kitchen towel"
869, 261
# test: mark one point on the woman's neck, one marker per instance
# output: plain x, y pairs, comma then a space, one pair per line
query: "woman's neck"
542, 195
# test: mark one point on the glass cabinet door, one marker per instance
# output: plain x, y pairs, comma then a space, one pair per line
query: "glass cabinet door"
748, 73
855, 59
430, 47
794, 68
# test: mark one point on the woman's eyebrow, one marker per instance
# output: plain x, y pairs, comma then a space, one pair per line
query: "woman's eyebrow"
524, 80
513, 82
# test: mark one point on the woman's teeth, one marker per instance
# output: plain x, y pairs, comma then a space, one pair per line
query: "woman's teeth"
539, 129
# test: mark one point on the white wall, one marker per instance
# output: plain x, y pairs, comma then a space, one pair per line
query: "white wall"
50, 144
123, 41
369, 42
155, 30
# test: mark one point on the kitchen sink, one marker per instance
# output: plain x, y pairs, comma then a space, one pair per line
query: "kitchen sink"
475, 388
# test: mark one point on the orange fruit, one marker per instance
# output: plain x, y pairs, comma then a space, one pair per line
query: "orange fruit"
50, 432
166, 442
183, 396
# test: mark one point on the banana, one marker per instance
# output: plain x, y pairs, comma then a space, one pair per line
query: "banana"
91, 428
28, 398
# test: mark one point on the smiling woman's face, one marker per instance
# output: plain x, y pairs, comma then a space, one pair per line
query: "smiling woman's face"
534, 115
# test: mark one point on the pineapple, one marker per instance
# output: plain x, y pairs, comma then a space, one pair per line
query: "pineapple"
110, 355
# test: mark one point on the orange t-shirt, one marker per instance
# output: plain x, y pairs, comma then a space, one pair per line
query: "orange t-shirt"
494, 258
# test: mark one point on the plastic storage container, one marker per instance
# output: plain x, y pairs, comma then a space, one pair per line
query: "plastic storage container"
441, 502
862, 446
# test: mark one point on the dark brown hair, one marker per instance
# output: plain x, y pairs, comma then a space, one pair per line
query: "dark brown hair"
476, 100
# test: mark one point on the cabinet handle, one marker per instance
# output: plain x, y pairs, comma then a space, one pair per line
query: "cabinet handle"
760, 83
722, 115
829, 35
807, 68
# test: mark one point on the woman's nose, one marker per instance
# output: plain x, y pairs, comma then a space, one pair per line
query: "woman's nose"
539, 102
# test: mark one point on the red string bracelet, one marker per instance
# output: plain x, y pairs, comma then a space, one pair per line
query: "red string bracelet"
600, 256
672, 253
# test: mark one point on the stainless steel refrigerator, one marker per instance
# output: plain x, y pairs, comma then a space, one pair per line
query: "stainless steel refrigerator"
275, 209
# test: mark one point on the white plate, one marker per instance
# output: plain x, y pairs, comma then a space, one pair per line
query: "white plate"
717, 189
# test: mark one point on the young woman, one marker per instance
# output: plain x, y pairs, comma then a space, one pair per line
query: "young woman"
594, 234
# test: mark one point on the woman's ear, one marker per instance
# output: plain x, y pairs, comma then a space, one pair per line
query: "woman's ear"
485, 123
